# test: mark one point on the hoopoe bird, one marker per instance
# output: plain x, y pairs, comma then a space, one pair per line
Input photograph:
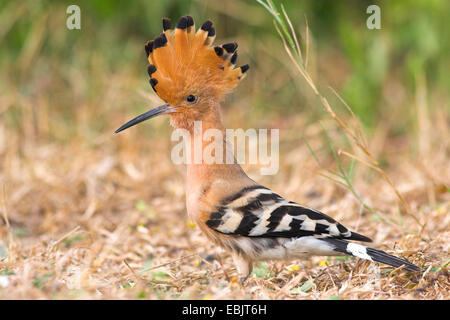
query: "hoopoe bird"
251, 221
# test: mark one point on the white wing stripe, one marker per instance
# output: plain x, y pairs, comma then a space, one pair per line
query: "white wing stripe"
284, 224
263, 222
246, 198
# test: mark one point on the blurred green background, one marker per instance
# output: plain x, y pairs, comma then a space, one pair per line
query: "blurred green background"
59, 84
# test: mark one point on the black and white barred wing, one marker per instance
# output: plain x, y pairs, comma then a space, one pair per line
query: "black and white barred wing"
259, 212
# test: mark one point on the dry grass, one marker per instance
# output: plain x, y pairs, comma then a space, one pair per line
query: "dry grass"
86, 214
110, 222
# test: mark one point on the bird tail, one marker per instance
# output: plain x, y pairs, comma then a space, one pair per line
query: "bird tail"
370, 254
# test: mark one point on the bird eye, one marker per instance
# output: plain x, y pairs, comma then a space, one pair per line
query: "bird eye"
191, 98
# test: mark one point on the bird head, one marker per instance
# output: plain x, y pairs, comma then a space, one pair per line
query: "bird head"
189, 73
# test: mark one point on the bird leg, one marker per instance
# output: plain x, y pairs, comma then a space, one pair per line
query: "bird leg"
243, 267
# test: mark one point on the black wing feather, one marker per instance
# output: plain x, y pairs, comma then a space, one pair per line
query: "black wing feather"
253, 222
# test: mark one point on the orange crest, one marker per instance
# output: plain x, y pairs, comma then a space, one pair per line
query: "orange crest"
185, 66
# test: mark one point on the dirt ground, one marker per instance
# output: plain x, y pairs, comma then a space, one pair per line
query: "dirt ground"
109, 222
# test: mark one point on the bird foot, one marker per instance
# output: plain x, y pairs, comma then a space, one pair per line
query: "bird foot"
242, 280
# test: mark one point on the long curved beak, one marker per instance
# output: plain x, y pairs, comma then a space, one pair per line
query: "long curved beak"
165, 108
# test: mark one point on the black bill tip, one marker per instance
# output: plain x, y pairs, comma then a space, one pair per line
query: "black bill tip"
165, 108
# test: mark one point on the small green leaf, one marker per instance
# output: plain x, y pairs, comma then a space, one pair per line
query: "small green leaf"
343, 258
3, 252
386, 272
20, 232
444, 265
39, 281
295, 290
159, 275
75, 293
7, 272
75, 238
147, 266
307, 286
141, 205
151, 214
126, 285
334, 298
261, 270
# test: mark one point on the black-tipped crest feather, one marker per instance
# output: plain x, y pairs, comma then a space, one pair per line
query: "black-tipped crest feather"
151, 69
153, 83
177, 46
244, 68
206, 26
233, 58
218, 50
230, 47
148, 47
182, 23
166, 24
159, 41
190, 21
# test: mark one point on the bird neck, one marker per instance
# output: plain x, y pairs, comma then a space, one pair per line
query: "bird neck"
211, 157
209, 182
